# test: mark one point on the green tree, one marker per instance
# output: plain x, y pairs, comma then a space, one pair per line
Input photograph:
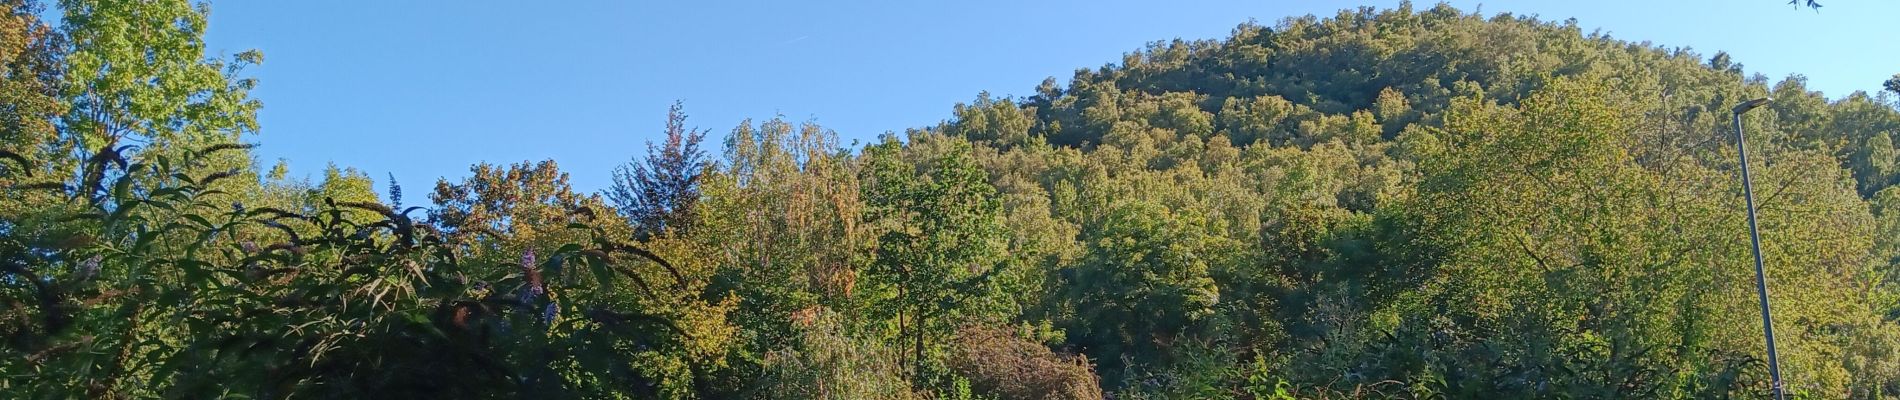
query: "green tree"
785, 210
999, 121
137, 74
30, 60
939, 255
1143, 288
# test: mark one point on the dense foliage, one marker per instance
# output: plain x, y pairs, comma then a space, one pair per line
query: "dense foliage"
1384, 203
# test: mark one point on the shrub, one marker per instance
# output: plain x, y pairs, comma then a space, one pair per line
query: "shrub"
1002, 363
829, 363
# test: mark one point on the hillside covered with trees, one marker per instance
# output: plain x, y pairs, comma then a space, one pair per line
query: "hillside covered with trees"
1402, 203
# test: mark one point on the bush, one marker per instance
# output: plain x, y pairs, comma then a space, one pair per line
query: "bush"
829, 363
1001, 363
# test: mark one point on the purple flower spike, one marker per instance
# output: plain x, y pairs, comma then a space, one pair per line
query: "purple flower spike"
89, 268
528, 294
533, 276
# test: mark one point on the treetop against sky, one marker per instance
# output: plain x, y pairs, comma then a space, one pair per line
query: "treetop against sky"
588, 82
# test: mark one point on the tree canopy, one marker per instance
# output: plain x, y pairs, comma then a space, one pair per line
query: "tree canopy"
1396, 203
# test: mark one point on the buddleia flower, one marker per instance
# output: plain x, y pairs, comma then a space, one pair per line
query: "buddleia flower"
533, 275
528, 294
89, 268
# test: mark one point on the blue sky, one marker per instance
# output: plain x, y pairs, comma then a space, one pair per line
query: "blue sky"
423, 89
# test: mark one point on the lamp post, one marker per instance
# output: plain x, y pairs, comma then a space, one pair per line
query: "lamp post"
1754, 238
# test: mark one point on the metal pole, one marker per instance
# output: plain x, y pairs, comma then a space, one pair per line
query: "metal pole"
1761, 279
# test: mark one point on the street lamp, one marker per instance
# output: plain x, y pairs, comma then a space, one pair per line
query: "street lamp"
1754, 238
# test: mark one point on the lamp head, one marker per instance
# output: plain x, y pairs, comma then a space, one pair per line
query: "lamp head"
1751, 104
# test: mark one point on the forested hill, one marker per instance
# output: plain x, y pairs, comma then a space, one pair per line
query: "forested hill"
1381, 204
1308, 80
1450, 203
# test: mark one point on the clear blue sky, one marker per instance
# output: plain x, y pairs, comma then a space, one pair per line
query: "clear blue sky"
423, 89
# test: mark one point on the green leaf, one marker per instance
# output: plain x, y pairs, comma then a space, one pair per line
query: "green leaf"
122, 188
200, 220
602, 276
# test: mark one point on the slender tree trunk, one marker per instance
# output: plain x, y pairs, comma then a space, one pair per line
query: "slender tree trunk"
917, 350
903, 330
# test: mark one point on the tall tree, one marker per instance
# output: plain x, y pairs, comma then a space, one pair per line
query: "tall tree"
138, 74
529, 204
29, 78
940, 252
1144, 286
658, 194
28, 75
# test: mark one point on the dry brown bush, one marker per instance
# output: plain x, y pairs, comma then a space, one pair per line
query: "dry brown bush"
1001, 363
